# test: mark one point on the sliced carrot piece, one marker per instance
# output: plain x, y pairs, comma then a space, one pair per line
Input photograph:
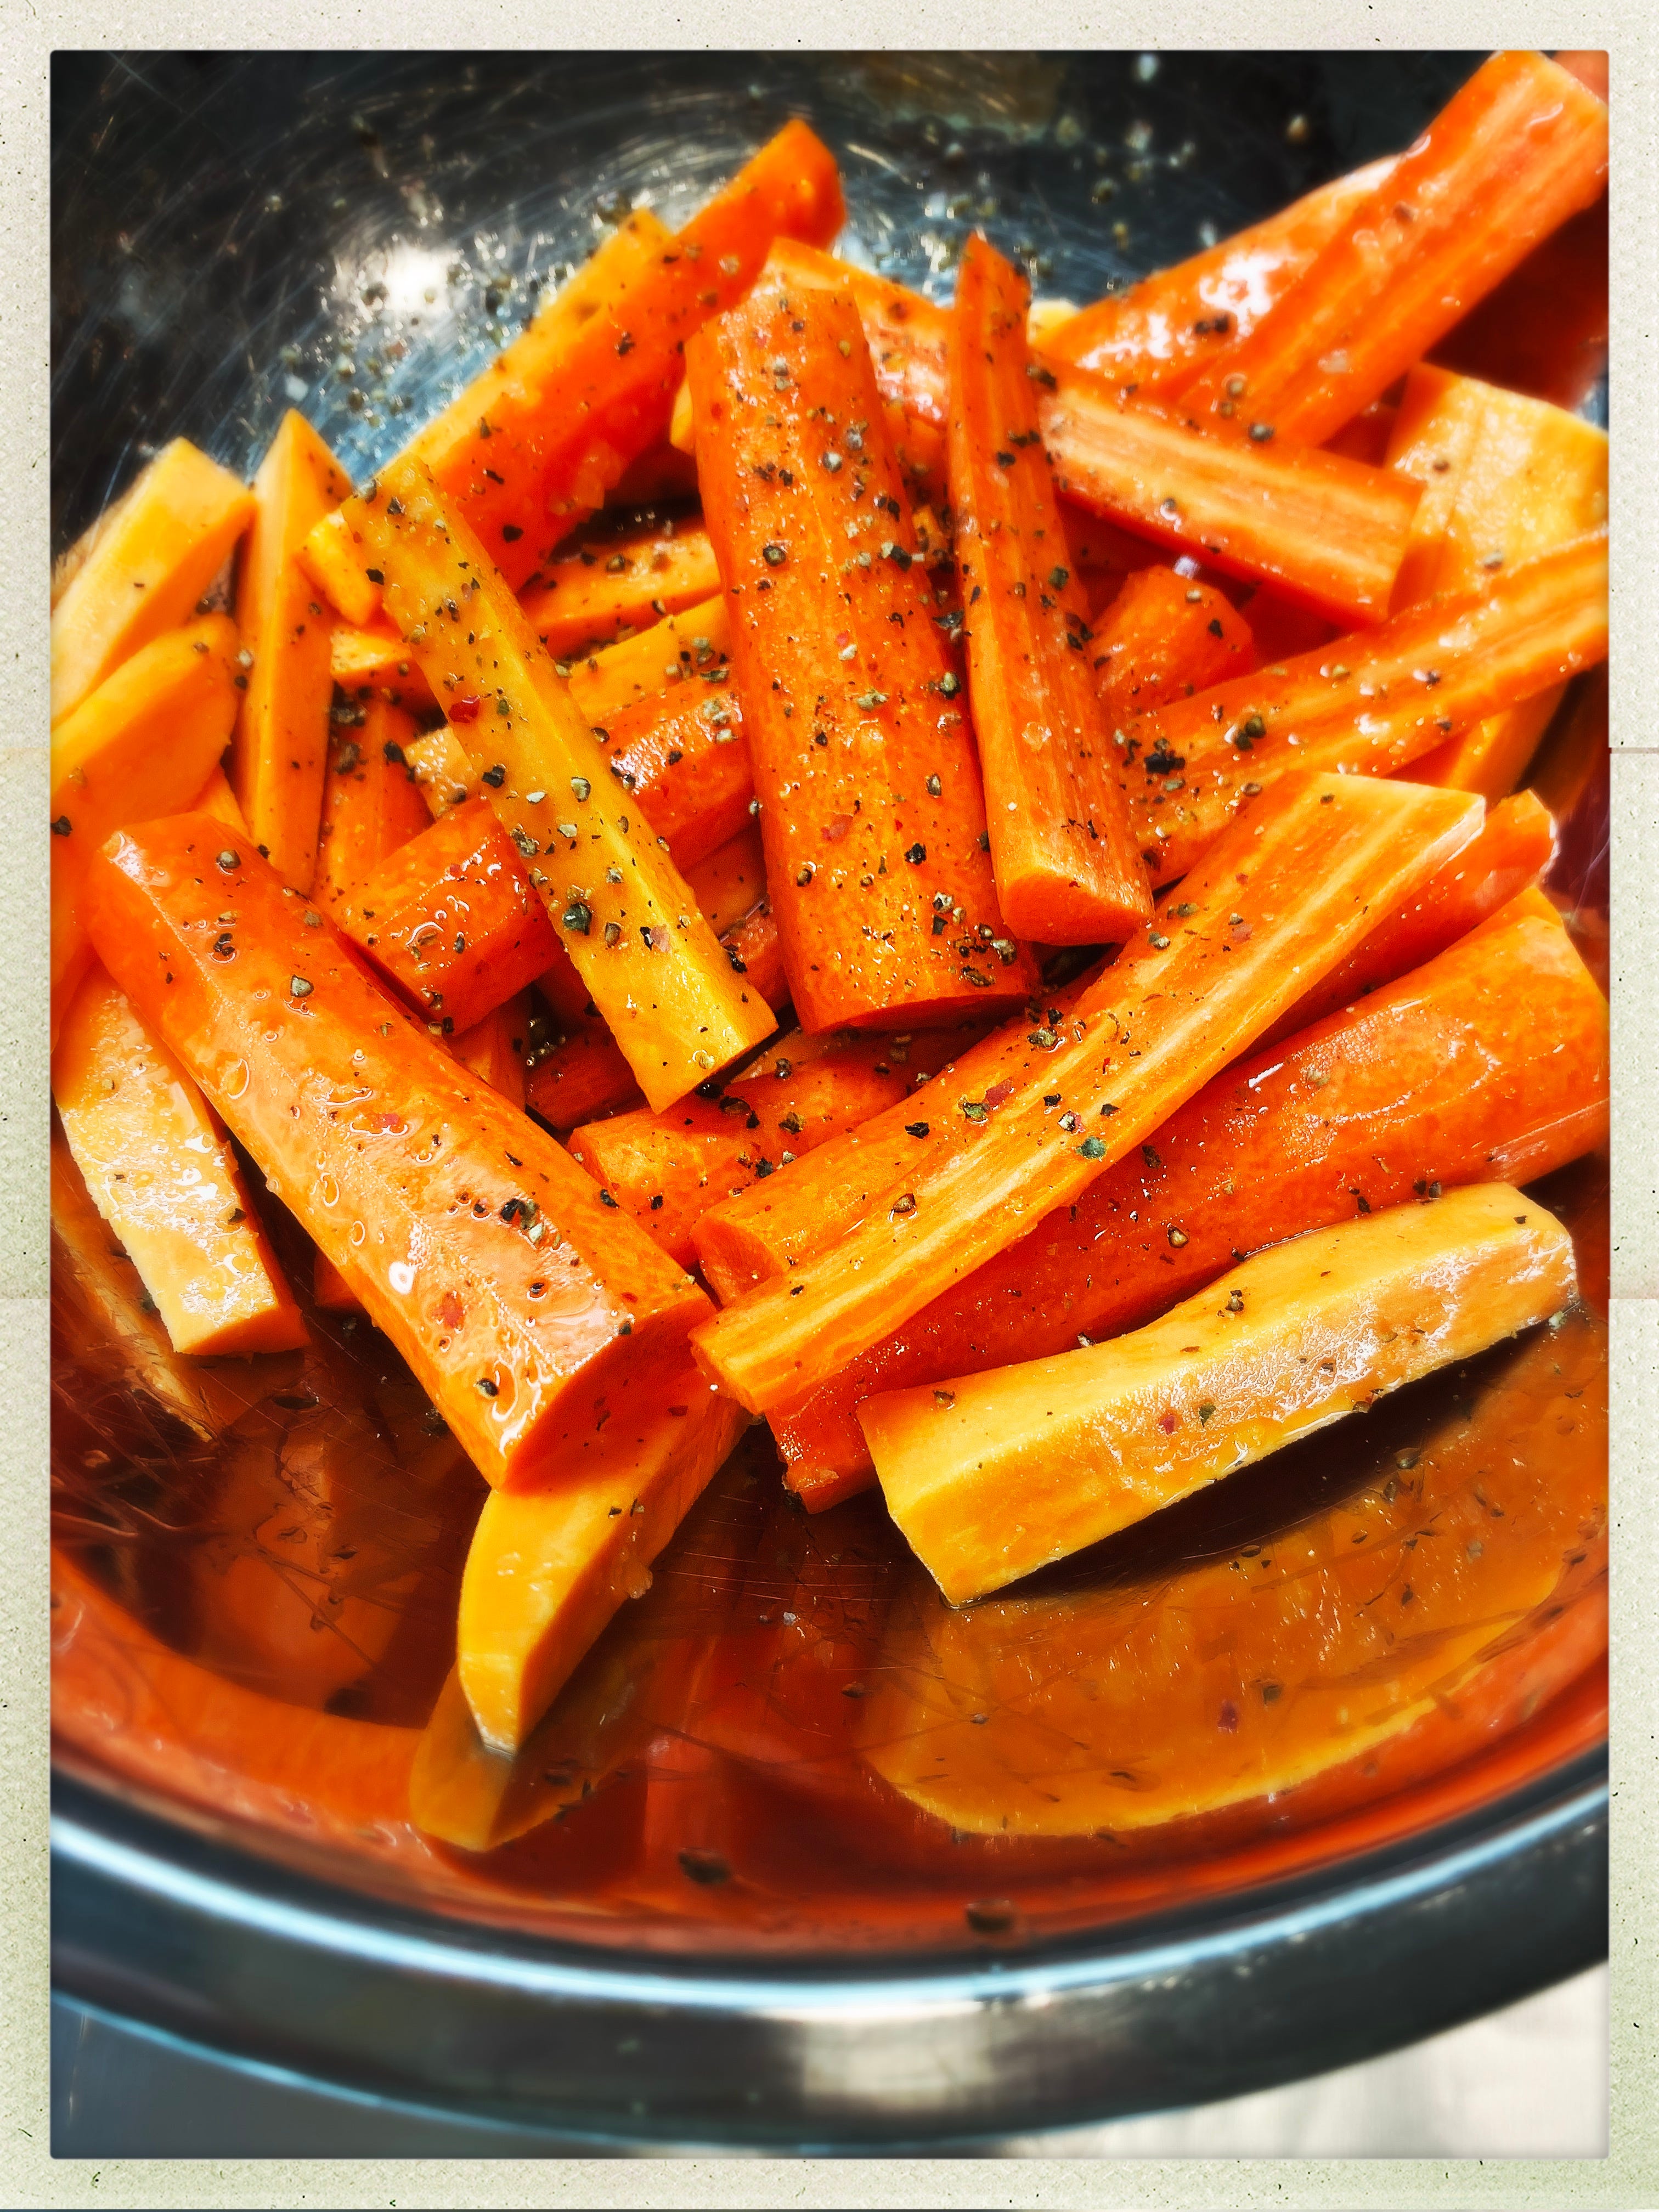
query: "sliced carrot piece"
1515, 151
1326, 530
1367, 704
376, 659
174, 529
1506, 478
602, 592
1278, 902
144, 743
1544, 329
690, 647
1164, 636
544, 1574
495, 1048
668, 1168
686, 760
528, 1312
1179, 319
162, 1174
1066, 869
582, 1075
279, 753
1002, 1472
217, 799
653, 967
1514, 848
451, 918
1491, 1059
730, 882
444, 776
871, 803
372, 805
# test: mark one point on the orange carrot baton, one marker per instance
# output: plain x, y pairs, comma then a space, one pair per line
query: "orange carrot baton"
1068, 871
529, 1311
864, 765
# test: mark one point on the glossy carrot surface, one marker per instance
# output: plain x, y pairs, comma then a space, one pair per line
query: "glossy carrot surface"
1177, 321
175, 529
615, 586
527, 1311
144, 743
372, 805
620, 908
1066, 869
1517, 151
998, 1473
686, 760
1363, 705
1164, 636
450, 917
1491, 1059
279, 754
864, 765
1278, 902
162, 1173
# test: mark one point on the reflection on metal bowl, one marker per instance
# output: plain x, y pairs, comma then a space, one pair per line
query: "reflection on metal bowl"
800, 1856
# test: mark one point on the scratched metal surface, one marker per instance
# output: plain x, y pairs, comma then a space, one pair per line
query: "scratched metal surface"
355, 235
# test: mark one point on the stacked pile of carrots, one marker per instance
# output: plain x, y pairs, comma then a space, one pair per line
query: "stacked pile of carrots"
955, 902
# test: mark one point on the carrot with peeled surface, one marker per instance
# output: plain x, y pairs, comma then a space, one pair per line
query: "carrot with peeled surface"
1164, 636
144, 743
686, 760
1032, 1116
1067, 868
372, 805
162, 1174
1003, 1473
690, 647
175, 529
1517, 151
1491, 1059
377, 659
527, 1311
620, 908
614, 585
1177, 321
1363, 705
495, 1048
451, 918
871, 803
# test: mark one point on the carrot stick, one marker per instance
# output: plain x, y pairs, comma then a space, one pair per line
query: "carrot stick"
1003, 1473
688, 648
144, 743
371, 804
1544, 329
1066, 870
1506, 478
584, 1074
527, 1310
668, 1168
620, 907
495, 1048
279, 753
870, 795
377, 659
176, 528
1180, 319
602, 592
1366, 705
1164, 636
162, 1174
443, 774
217, 799
1326, 530
1492, 1059
544, 1574
536, 441
730, 882
1278, 903
451, 918
686, 760
1515, 151
1516, 845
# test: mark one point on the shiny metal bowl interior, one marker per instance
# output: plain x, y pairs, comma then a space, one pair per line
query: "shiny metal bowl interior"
355, 235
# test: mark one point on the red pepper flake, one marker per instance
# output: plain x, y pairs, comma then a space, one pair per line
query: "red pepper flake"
465, 709
1228, 1717
1169, 1422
